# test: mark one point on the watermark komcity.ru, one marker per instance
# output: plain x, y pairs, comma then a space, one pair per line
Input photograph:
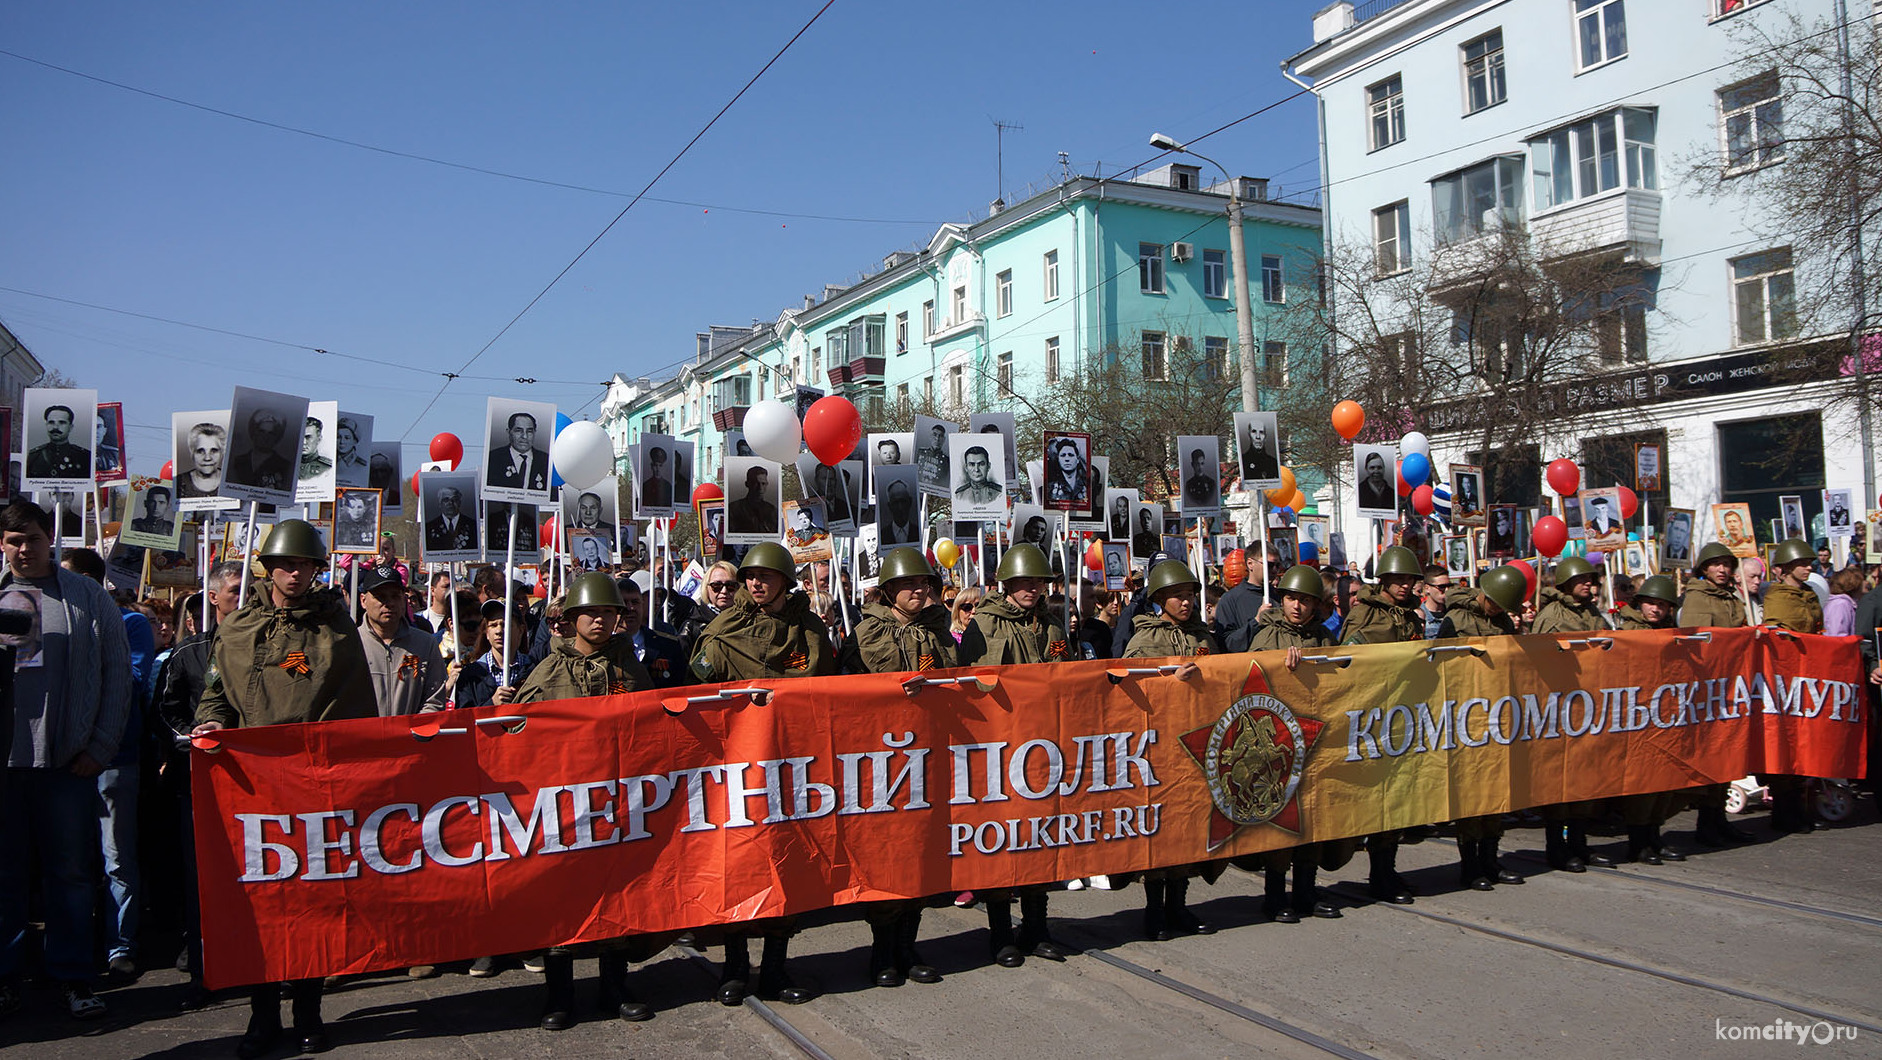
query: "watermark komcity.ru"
1822, 1032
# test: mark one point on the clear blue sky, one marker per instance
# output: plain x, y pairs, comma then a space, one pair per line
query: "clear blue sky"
880, 114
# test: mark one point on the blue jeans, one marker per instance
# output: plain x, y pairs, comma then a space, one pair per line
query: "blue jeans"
55, 812
117, 828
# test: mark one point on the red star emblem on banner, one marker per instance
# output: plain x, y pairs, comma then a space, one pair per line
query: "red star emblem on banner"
1268, 741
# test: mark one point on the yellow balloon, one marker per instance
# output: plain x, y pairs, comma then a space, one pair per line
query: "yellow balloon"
947, 552
1279, 496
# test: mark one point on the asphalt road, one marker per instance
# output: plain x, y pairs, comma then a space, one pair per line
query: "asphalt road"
1635, 961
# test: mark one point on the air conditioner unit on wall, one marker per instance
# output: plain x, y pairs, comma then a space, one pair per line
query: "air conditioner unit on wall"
1182, 251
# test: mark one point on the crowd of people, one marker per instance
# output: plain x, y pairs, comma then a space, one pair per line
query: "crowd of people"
98, 742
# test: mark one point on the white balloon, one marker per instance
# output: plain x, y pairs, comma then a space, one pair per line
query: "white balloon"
1415, 442
582, 454
772, 431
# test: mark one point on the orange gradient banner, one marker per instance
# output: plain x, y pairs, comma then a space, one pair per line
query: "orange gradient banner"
353, 846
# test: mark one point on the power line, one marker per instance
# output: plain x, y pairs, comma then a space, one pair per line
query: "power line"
414, 156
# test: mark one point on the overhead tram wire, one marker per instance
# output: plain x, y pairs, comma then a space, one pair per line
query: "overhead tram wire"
704, 129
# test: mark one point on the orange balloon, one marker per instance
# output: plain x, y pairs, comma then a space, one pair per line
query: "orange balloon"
1278, 496
1349, 419
1234, 568
1298, 502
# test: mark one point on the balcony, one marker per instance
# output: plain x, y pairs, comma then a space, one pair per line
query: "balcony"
867, 371
730, 419
952, 328
839, 374
1625, 221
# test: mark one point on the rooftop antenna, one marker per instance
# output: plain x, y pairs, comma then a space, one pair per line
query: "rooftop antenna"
1065, 166
999, 136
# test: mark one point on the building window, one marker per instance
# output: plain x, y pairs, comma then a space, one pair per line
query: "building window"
1764, 294
1051, 275
1391, 237
1601, 31
1004, 370
959, 306
1274, 364
1751, 120
1052, 359
1150, 268
1594, 156
1385, 108
1215, 357
1272, 289
1761, 460
927, 319
1477, 200
1003, 285
1399, 359
957, 386
927, 391
901, 332
901, 396
1215, 274
1621, 335
1156, 363
1483, 72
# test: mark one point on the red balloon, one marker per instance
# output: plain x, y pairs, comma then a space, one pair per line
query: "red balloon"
1550, 536
415, 475
448, 448
1564, 477
1404, 487
1629, 503
1094, 556
1529, 576
707, 491
551, 531
1422, 502
169, 470
1234, 568
832, 427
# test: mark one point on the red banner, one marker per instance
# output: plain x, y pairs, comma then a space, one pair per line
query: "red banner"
353, 846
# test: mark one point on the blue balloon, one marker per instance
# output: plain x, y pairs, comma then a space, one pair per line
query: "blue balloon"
1417, 469
555, 477
1309, 552
561, 421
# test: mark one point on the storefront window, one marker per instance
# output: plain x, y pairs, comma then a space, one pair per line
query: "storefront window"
1762, 460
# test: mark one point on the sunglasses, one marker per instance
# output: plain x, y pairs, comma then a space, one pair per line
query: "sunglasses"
721, 587
967, 607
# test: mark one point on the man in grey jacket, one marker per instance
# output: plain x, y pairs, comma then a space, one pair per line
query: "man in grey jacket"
407, 669
72, 696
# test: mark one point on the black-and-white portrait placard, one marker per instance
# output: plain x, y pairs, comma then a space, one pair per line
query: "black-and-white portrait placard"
890, 449
447, 506
264, 446
1033, 525
1118, 506
1091, 519
754, 500
200, 443
1146, 530
1066, 471
356, 521
497, 531
1375, 469
838, 489
58, 444
111, 462
151, 521
1201, 471
931, 455
596, 508
388, 476
1258, 449
978, 484
1839, 515
314, 479
1000, 423
898, 507
352, 450
653, 475
517, 435
1467, 498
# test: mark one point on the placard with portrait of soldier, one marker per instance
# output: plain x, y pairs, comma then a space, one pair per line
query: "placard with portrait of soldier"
891, 449
58, 424
153, 521
590, 550
1000, 423
1146, 530
352, 450
1200, 468
1066, 470
447, 510
517, 436
315, 477
805, 532
1033, 525
497, 530
356, 521
898, 508
1118, 505
1838, 513
387, 475
595, 508
653, 477
978, 483
1602, 524
754, 500
1501, 543
264, 446
110, 464
1467, 495
1258, 449
932, 460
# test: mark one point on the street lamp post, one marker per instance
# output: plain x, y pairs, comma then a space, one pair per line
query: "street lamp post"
1238, 273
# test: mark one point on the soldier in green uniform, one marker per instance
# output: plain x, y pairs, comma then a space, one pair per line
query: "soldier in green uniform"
906, 630
1654, 606
1011, 628
1177, 631
289, 655
1572, 606
1294, 625
1388, 614
1483, 612
591, 661
1711, 601
1790, 603
768, 631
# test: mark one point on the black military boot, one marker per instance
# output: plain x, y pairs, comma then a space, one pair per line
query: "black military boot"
614, 998
907, 961
1034, 938
774, 981
1640, 845
1307, 899
1384, 882
1493, 869
1666, 853
264, 1022
1714, 829
1156, 928
1176, 912
1557, 851
1470, 866
558, 985
1274, 897
737, 971
1578, 846
1000, 934
309, 1029
882, 968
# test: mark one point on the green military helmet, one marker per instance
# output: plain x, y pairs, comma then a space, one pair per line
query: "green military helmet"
1574, 567
1023, 561
769, 555
1784, 553
905, 562
592, 590
1506, 587
1170, 574
1302, 579
294, 539
1714, 551
1659, 587
1399, 560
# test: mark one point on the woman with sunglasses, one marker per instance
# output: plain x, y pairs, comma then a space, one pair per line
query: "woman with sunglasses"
963, 610
713, 596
